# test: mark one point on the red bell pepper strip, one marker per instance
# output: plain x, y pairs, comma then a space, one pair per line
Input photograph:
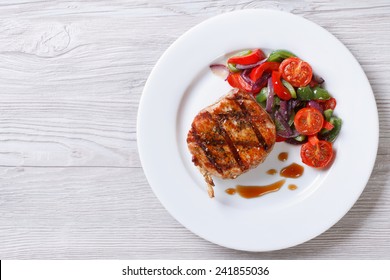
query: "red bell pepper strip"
237, 81
258, 71
327, 125
313, 140
279, 88
280, 138
255, 56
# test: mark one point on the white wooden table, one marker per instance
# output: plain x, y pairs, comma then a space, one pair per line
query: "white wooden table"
71, 76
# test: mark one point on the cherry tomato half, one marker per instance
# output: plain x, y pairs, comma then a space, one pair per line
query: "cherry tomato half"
317, 153
296, 71
308, 121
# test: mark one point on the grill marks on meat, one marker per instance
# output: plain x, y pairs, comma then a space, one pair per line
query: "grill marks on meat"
219, 125
260, 137
230, 137
203, 145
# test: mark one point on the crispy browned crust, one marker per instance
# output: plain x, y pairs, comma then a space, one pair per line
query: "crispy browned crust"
231, 136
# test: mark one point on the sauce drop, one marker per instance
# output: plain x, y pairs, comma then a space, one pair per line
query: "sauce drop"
292, 171
256, 191
230, 191
292, 187
272, 171
283, 156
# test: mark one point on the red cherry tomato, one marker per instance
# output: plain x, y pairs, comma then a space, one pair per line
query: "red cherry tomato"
296, 71
308, 121
317, 153
329, 104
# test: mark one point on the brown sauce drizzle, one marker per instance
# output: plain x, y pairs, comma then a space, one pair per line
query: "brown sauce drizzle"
294, 170
230, 191
256, 191
292, 187
272, 171
283, 156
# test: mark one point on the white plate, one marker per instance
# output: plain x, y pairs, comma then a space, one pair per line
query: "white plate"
181, 84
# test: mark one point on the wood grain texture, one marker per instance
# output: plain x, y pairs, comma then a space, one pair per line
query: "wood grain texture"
71, 76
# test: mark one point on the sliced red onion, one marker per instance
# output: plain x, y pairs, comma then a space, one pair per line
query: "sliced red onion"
283, 109
295, 142
245, 76
289, 108
270, 99
250, 66
261, 82
295, 133
318, 79
286, 131
294, 103
220, 70
315, 105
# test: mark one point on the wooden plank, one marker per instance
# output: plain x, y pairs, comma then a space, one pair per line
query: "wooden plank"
93, 213
71, 76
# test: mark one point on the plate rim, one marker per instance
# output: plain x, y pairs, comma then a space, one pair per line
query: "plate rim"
142, 104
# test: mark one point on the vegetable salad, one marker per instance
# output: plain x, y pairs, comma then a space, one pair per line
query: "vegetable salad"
285, 86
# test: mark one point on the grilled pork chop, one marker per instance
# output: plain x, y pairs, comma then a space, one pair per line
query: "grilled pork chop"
230, 137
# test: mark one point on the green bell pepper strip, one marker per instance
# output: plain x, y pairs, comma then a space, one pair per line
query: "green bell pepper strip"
305, 93
321, 94
300, 138
331, 135
262, 96
290, 88
232, 68
242, 53
280, 55
328, 114
276, 101
263, 104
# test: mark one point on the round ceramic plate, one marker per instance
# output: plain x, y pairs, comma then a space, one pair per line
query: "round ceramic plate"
181, 84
